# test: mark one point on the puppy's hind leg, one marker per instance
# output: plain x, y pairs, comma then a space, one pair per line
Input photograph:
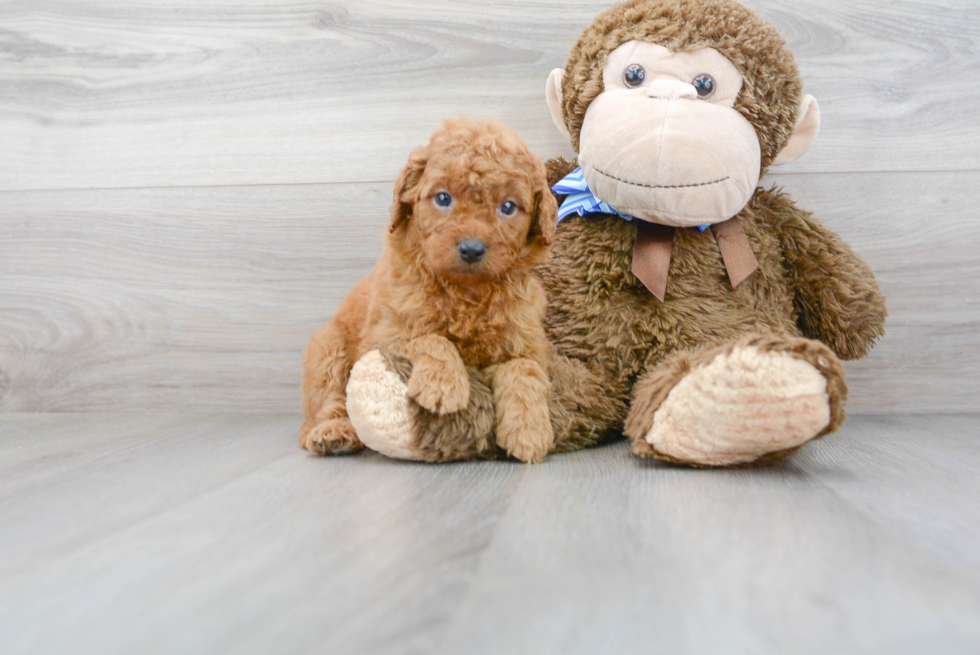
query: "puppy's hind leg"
520, 395
327, 430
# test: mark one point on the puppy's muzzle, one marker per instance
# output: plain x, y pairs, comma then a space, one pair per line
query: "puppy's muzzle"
471, 251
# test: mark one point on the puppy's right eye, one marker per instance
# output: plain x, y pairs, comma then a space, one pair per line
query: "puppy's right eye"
507, 209
442, 200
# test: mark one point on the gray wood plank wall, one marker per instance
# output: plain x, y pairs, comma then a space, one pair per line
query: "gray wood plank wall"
188, 189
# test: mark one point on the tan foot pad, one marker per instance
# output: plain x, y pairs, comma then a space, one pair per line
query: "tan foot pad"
740, 406
377, 403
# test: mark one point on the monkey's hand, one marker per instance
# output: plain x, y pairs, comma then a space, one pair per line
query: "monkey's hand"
836, 295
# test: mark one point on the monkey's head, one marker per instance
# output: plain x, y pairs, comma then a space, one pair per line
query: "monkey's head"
677, 108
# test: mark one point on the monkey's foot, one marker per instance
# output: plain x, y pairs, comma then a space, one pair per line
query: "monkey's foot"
378, 406
755, 400
390, 422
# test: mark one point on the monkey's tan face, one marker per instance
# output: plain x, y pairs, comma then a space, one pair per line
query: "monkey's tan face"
663, 142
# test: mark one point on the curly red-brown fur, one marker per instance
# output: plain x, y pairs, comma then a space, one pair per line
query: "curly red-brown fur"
443, 313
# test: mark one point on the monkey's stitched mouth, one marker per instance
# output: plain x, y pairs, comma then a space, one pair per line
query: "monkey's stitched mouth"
661, 186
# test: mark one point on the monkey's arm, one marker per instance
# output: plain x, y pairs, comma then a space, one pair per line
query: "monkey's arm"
836, 295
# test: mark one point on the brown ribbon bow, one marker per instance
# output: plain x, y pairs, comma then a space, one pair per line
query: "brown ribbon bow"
654, 243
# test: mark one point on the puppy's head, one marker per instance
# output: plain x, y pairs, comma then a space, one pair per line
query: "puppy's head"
473, 205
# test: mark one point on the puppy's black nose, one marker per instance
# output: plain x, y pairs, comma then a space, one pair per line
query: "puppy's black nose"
471, 251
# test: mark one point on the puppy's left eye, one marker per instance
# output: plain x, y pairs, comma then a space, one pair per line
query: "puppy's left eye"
507, 209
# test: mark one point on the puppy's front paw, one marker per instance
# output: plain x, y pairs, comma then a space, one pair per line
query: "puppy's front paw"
439, 387
332, 437
528, 436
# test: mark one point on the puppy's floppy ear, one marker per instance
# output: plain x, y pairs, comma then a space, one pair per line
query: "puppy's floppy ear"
544, 216
406, 192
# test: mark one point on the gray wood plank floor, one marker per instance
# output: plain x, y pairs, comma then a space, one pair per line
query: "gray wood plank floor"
153, 533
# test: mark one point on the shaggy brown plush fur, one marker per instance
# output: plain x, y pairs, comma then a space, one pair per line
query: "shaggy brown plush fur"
425, 305
465, 434
614, 341
772, 88
791, 294
617, 351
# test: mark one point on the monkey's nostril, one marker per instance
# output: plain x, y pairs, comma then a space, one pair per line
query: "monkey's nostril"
471, 251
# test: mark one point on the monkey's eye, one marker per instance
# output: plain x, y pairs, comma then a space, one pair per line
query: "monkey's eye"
634, 75
507, 209
442, 200
705, 85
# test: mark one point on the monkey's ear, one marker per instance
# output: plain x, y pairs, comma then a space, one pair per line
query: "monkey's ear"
552, 92
405, 188
804, 133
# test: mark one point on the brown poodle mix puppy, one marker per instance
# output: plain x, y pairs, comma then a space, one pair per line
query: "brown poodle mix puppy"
472, 215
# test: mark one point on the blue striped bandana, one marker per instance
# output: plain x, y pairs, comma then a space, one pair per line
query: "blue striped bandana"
582, 201
580, 198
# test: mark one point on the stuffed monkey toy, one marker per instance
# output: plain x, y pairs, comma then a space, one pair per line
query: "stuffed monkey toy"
700, 315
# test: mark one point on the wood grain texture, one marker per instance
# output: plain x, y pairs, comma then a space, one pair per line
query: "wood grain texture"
919, 233
205, 297
188, 189
164, 533
151, 298
97, 94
